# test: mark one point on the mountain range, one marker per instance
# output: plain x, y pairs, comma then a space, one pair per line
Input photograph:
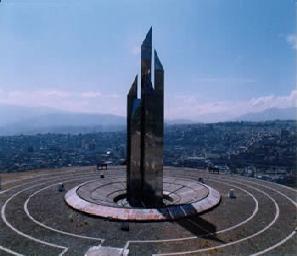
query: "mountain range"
28, 120
270, 114
25, 120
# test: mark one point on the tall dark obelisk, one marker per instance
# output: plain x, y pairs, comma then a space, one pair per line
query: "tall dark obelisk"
145, 124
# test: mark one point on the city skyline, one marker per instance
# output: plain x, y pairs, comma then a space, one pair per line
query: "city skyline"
222, 59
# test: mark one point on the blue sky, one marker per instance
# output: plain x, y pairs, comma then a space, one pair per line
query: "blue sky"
221, 58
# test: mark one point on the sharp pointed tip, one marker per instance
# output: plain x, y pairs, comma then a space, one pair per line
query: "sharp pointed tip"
148, 39
158, 64
133, 88
135, 80
149, 33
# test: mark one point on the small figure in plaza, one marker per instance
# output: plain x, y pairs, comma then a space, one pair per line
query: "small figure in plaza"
61, 187
231, 194
125, 226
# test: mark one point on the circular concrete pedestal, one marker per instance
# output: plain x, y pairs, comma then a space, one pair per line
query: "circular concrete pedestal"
183, 197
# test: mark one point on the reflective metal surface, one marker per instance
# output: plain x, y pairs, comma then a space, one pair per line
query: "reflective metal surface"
134, 177
145, 124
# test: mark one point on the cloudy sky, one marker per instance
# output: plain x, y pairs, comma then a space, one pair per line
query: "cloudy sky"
221, 58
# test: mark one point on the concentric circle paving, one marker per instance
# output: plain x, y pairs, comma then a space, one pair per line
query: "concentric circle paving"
36, 221
98, 197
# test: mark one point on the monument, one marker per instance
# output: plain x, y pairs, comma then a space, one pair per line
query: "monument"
145, 193
145, 123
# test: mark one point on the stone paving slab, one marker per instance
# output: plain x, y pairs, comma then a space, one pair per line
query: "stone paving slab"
106, 251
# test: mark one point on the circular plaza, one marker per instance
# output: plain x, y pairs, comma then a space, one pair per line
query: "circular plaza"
35, 220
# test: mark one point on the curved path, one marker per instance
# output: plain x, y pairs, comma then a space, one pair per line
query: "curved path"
36, 221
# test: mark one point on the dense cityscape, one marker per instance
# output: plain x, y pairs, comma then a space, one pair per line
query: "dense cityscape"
266, 150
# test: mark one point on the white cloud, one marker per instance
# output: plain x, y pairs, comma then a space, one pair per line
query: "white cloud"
273, 101
292, 40
176, 106
190, 107
76, 101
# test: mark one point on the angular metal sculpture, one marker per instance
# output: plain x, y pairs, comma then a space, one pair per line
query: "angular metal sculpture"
145, 124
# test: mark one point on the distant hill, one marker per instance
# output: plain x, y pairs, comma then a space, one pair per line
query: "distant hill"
16, 120
11, 113
72, 119
179, 121
270, 114
73, 123
22, 120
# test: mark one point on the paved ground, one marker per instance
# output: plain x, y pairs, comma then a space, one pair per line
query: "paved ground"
36, 221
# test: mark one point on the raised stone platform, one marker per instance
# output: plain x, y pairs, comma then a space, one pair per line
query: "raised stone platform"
105, 198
